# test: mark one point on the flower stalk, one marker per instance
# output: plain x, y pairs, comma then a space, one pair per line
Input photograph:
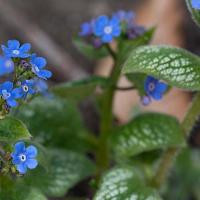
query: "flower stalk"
102, 155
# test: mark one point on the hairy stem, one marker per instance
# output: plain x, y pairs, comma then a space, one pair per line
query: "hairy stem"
170, 154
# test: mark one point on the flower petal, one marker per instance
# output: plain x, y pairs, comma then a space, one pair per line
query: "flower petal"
107, 38
7, 86
20, 147
31, 151
13, 44
100, 24
24, 55
22, 168
156, 95
31, 163
44, 74
11, 102
161, 87
16, 160
40, 62
116, 31
25, 47
114, 21
17, 93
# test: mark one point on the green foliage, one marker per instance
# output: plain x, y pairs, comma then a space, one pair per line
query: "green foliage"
88, 49
138, 80
126, 46
147, 132
185, 178
194, 12
54, 123
12, 129
78, 90
65, 170
176, 66
124, 183
10, 190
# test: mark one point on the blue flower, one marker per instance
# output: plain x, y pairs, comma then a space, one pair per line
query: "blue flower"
14, 50
38, 63
196, 4
6, 65
146, 100
9, 94
154, 88
27, 87
24, 158
107, 29
86, 29
124, 16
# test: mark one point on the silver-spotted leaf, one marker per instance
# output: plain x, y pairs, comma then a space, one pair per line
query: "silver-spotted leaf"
124, 183
176, 66
12, 129
54, 122
65, 170
147, 132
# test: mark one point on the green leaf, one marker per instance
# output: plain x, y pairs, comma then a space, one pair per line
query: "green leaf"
77, 90
138, 81
15, 190
176, 66
147, 132
54, 123
194, 12
126, 46
65, 170
123, 183
88, 49
22, 194
12, 129
182, 185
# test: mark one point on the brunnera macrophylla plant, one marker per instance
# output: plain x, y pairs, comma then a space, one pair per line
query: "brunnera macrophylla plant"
129, 161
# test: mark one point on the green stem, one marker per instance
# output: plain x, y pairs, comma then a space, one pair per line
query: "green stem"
102, 155
170, 154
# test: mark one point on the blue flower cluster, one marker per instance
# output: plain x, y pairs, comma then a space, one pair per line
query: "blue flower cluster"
196, 4
24, 70
104, 29
24, 158
154, 89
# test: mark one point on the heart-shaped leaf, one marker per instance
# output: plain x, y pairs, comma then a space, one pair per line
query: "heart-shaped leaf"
54, 123
147, 132
124, 183
176, 66
65, 170
12, 130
